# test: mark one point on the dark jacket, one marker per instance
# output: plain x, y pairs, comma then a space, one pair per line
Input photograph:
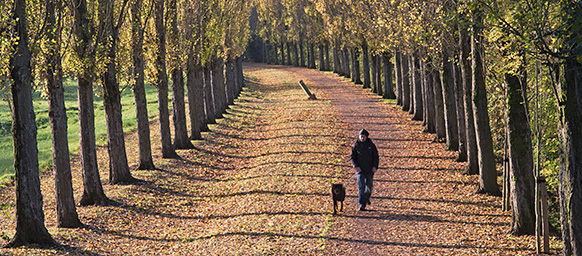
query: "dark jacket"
364, 155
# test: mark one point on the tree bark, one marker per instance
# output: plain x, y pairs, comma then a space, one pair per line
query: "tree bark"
439, 107
30, 228
67, 216
321, 60
84, 49
522, 182
356, 66
301, 54
472, 167
192, 82
417, 87
289, 62
143, 128
168, 150
398, 77
312, 54
373, 74
462, 156
380, 88
366, 64
487, 171
426, 69
118, 167
219, 90
450, 103
208, 96
388, 84
405, 82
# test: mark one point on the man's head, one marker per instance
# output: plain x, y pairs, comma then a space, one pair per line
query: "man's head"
363, 135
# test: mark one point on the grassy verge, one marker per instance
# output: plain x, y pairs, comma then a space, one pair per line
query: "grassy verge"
43, 125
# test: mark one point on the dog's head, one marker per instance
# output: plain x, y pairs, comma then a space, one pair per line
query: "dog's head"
338, 189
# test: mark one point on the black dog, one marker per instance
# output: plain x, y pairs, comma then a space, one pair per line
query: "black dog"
338, 193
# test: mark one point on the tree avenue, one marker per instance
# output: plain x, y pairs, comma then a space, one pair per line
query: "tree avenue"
494, 80
213, 34
464, 68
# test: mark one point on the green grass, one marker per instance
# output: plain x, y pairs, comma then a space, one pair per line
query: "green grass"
43, 125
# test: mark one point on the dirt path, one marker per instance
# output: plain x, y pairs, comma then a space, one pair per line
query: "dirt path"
259, 184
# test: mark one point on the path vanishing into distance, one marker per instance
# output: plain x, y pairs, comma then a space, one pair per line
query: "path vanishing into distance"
259, 184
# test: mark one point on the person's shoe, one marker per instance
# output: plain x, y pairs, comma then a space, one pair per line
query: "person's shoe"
369, 202
362, 208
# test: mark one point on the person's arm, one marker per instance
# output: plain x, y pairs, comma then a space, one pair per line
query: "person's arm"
376, 158
354, 159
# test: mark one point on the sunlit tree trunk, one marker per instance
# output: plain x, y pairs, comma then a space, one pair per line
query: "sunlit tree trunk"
487, 171
405, 71
356, 65
450, 103
472, 167
321, 60
143, 128
118, 166
398, 77
439, 108
426, 70
30, 227
168, 150
67, 216
521, 177
417, 87
84, 49
462, 156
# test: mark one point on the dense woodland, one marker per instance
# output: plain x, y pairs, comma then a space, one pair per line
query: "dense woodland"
497, 81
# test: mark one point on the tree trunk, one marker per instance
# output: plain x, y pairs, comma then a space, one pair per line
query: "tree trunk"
336, 61
30, 228
439, 107
192, 82
143, 128
347, 69
487, 171
208, 96
398, 77
118, 167
282, 53
289, 62
356, 66
380, 88
417, 87
67, 216
405, 82
373, 74
460, 103
450, 103
301, 54
296, 59
321, 60
411, 72
520, 160
467, 80
327, 61
168, 150
388, 84
426, 70
92, 188
181, 138
312, 54
366, 64
230, 80
570, 134
218, 88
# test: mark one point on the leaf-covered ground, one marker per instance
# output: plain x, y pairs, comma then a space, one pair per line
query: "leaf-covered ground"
259, 182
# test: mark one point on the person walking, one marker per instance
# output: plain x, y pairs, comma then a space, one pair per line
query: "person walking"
364, 158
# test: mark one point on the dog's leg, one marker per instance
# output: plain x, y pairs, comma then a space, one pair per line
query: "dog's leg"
342, 206
334, 207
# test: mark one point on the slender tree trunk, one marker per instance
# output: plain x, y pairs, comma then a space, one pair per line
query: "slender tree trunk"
218, 89
380, 88
398, 77
405, 83
373, 74
67, 216
118, 167
327, 60
230, 80
450, 103
312, 54
356, 65
193, 97
462, 156
427, 70
366, 64
466, 73
143, 128
200, 97
487, 171
168, 150
296, 59
521, 178
347, 69
321, 60
283, 53
30, 228
301, 54
289, 62
336, 61
439, 107
92, 188
388, 84
417, 87
411, 83
208, 96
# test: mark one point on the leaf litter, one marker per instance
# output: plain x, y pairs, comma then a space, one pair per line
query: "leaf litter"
259, 184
